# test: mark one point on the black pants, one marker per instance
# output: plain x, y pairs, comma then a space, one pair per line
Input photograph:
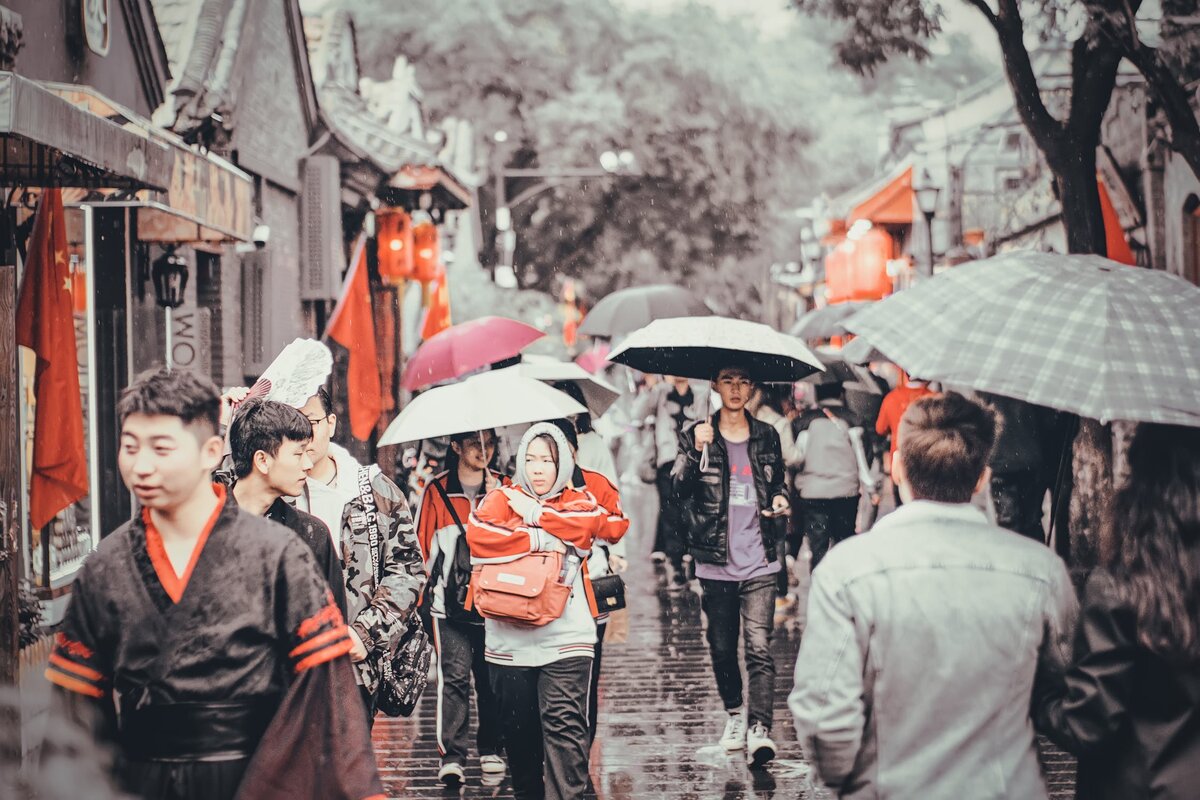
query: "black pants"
460, 654
668, 535
370, 699
828, 521
748, 608
544, 719
1018, 497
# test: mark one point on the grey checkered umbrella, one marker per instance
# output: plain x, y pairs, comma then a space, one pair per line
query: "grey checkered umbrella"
1077, 333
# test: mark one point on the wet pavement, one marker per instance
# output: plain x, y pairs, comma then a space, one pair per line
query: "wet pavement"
660, 716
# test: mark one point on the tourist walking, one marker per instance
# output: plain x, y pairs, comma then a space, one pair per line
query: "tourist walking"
675, 403
925, 635
734, 534
541, 672
374, 535
1130, 705
198, 631
446, 504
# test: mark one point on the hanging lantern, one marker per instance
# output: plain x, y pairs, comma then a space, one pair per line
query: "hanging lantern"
426, 250
394, 239
169, 272
869, 279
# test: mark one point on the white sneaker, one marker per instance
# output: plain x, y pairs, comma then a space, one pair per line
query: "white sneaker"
759, 747
734, 737
451, 773
492, 764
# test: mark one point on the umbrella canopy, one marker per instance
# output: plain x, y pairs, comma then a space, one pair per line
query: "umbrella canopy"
1076, 333
626, 310
465, 348
696, 347
595, 358
481, 402
598, 394
824, 323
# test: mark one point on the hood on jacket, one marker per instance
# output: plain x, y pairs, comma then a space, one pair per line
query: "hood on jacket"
565, 466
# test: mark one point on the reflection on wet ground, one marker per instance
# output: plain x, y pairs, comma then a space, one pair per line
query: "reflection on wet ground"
660, 716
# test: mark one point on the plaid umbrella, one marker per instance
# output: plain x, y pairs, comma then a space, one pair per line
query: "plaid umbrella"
1076, 333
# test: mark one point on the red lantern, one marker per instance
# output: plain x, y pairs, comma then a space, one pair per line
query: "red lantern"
870, 279
426, 251
838, 273
394, 238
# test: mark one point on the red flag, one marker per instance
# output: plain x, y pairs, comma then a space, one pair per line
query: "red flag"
437, 316
45, 326
352, 326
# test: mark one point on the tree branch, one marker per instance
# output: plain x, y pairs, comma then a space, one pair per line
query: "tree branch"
987, 12
1047, 131
1171, 98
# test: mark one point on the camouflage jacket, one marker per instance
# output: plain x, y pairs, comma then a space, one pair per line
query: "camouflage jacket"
377, 608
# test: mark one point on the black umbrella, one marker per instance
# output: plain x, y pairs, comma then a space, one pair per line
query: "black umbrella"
625, 311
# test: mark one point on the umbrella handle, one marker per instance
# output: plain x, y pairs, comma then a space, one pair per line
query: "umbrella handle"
704, 452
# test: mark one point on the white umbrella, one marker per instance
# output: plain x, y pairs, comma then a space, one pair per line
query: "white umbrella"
479, 403
598, 394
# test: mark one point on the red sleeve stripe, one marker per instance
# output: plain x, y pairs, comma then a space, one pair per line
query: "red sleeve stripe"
487, 526
79, 670
72, 684
325, 654
308, 645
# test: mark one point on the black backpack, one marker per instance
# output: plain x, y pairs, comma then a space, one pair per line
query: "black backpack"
458, 571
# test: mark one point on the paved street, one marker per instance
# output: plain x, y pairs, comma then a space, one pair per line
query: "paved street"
659, 711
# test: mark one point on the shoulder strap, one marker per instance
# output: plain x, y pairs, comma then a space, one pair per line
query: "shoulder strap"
449, 506
366, 494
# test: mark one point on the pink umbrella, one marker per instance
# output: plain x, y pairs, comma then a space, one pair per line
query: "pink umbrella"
465, 348
595, 359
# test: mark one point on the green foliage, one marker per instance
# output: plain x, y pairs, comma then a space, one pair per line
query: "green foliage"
730, 130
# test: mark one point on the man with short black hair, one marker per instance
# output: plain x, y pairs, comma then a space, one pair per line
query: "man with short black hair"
196, 626
733, 507
926, 635
269, 447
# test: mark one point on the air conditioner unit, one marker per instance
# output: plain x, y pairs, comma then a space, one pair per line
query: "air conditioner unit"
322, 258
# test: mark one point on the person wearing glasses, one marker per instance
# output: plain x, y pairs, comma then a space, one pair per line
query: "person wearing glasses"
382, 591
733, 504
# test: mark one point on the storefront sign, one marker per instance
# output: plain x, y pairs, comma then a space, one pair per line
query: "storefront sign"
192, 341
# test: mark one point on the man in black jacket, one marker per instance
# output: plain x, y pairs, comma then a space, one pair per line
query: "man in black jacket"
269, 446
732, 511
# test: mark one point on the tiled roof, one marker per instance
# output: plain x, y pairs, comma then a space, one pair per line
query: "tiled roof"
176, 25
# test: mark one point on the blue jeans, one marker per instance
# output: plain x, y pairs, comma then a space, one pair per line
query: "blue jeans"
746, 608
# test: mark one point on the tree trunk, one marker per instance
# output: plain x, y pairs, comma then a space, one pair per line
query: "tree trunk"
1079, 194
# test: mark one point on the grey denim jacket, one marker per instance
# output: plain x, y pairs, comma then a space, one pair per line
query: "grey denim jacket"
924, 640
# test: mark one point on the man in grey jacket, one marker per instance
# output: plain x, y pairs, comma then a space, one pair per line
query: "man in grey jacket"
926, 635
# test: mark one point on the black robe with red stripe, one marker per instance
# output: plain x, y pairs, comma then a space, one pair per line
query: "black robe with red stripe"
251, 620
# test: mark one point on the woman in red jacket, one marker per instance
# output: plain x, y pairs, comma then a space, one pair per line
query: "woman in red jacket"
541, 675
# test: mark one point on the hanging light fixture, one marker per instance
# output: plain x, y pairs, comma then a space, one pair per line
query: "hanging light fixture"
169, 272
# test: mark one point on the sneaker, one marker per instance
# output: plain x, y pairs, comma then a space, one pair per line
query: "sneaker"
658, 557
451, 773
734, 737
492, 764
759, 747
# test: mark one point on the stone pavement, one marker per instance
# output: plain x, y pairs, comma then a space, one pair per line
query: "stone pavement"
660, 715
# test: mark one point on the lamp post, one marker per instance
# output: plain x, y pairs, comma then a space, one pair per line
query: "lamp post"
169, 272
927, 196
614, 163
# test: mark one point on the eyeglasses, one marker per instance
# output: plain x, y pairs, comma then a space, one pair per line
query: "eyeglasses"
317, 421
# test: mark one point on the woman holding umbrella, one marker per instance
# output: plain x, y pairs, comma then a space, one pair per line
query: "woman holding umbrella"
1130, 705
541, 672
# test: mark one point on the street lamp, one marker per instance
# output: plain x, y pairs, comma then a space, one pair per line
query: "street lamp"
169, 273
927, 196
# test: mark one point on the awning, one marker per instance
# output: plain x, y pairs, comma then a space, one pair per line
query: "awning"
889, 204
204, 198
45, 140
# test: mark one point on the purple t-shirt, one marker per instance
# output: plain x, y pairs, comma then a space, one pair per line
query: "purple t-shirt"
746, 557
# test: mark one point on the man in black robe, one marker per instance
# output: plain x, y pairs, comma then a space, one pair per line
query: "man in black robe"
269, 446
209, 642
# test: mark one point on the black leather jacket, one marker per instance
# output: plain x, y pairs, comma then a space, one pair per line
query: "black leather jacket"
704, 496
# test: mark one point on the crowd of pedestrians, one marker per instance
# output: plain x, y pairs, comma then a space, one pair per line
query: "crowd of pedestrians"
237, 636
